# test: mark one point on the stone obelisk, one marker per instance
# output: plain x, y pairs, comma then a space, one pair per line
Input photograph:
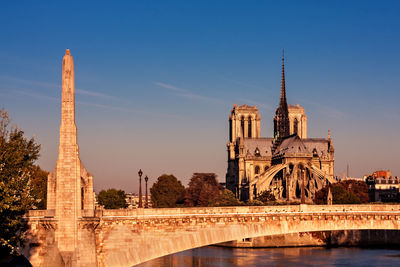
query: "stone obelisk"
70, 187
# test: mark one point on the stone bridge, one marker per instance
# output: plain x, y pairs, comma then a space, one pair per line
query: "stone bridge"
129, 237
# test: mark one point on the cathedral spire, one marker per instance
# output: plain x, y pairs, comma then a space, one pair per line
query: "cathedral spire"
283, 88
281, 120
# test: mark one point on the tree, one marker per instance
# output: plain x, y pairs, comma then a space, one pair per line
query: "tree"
112, 199
226, 198
340, 195
167, 192
358, 188
39, 186
203, 190
17, 156
265, 197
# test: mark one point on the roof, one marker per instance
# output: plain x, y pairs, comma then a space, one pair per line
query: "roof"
292, 144
263, 144
319, 145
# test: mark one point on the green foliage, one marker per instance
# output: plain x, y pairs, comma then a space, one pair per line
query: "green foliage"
345, 192
265, 197
17, 156
39, 186
262, 199
167, 192
358, 188
203, 190
342, 196
226, 198
112, 199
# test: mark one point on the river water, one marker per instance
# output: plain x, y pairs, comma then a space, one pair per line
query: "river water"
303, 256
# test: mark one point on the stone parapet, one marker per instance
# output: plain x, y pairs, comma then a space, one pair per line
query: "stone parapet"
247, 209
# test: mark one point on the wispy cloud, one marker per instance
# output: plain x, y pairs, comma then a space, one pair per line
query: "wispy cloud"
188, 94
30, 82
327, 110
171, 87
128, 110
99, 95
102, 106
35, 95
53, 85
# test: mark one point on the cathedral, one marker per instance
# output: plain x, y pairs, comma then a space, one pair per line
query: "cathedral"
289, 165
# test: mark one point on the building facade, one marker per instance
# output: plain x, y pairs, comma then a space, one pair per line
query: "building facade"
289, 165
382, 187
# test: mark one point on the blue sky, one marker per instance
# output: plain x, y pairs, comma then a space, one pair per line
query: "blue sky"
156, 80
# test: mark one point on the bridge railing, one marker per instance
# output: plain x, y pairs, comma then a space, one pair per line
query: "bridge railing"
228, 210
246, 209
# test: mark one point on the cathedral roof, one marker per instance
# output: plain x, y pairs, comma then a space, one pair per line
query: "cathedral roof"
293, 144
318, 145
258, 146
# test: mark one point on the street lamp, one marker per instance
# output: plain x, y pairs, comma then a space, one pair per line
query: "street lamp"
140, 188
146, 204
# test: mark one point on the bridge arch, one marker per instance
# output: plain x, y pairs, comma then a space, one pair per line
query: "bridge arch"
126, 241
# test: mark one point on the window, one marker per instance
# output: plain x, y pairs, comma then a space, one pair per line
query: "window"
242, 126
295, 126
249, 128
257, 169
82, 198
230, 130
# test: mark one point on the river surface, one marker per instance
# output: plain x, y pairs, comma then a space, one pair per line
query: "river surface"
305, 256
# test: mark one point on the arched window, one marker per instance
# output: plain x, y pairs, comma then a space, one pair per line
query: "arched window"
249, 127
82, 198
242, 126
266, 168
257, 169
295, 126
230, 130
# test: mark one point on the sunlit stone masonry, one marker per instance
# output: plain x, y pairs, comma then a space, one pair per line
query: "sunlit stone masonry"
68, 228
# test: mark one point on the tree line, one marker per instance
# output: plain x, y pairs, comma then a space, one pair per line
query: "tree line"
204, 190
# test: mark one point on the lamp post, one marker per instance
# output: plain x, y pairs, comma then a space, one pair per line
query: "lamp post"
140, 188
146, 204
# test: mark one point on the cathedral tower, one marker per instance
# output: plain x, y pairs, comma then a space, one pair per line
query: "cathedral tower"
244, 122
